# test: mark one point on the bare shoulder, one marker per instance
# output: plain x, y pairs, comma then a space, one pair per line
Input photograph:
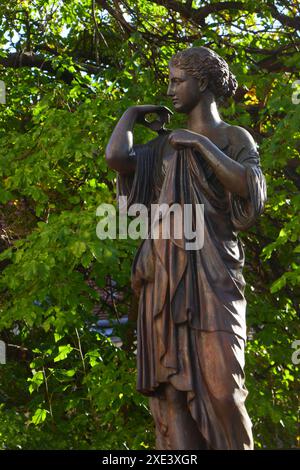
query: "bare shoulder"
239, 136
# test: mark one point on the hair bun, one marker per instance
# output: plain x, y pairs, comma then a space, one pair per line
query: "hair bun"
232, 85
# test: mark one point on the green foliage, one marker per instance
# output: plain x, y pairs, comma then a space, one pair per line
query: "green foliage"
70, 388
75, 399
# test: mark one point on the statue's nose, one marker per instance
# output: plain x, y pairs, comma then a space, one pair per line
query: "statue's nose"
170, 91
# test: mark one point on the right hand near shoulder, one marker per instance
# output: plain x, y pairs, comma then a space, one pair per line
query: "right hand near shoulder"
163, 116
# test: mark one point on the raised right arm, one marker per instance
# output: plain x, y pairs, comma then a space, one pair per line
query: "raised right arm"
119, 155
120, 144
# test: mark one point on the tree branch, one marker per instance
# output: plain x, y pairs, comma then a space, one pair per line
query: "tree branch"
284, 19
117, 14
29, 59
199, 15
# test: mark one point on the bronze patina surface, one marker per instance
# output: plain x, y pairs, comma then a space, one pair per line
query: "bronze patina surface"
191, 321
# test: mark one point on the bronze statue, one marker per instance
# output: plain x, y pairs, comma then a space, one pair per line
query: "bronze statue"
191, 320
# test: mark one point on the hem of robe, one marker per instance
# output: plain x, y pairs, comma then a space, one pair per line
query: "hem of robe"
155, 369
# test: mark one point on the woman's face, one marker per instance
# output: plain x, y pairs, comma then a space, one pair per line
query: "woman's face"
183, 90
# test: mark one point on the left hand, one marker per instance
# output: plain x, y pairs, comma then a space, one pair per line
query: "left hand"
183, 138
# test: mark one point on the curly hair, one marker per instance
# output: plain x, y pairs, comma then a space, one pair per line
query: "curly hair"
201, 62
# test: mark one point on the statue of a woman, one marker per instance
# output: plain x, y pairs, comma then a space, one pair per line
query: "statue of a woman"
191, 320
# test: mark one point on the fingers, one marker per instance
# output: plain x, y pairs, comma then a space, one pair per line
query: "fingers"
174, 141
178, 140
166, 114
163, 116
162, 111
167, 110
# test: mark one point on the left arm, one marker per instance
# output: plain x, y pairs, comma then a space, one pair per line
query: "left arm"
230, 173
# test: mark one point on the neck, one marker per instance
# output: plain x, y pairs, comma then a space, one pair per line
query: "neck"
205, 115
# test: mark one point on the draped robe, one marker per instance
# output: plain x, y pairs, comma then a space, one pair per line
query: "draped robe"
185, 294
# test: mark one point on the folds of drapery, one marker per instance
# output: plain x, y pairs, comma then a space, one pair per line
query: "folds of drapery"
206, 286
244, 213
186, 293
144, 186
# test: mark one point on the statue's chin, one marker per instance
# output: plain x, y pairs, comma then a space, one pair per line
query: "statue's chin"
180, 109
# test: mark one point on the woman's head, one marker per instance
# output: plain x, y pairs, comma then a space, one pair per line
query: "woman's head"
206, 66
